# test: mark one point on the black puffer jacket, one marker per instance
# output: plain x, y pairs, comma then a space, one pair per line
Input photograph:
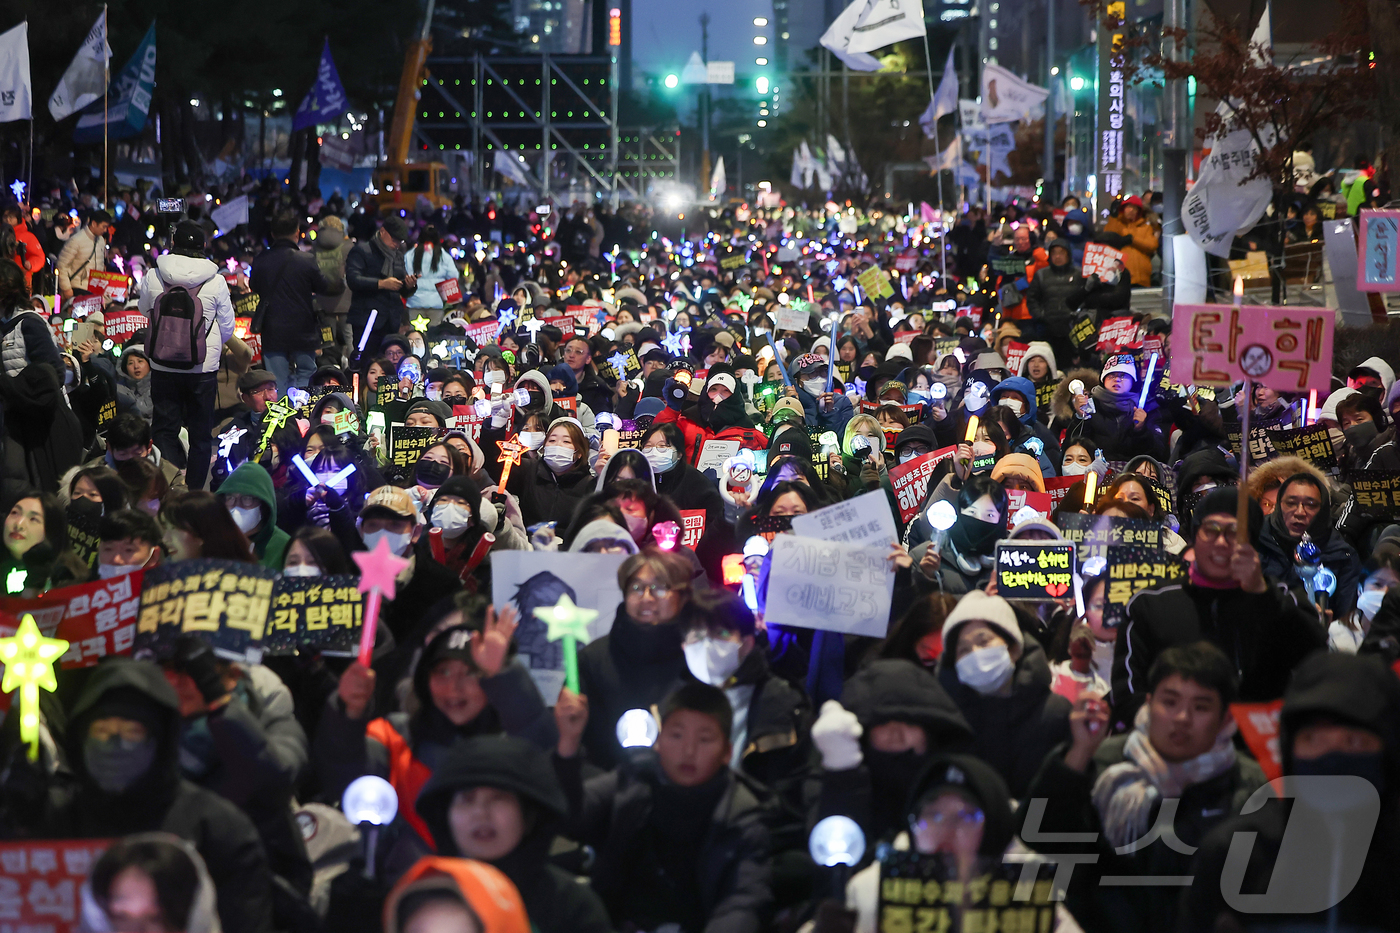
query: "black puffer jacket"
1111, 428
1276, 550
161, 800
1349, 689
1048, 297
288, 282
556, 901
1012, 733
688, 488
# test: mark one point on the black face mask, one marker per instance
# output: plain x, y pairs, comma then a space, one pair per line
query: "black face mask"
432, 474
80, 511
116, 764
1361, 434
772, 524
866, 372
1370, 765
974, 536
1373, 392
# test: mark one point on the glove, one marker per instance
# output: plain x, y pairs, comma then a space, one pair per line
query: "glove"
836, 733
673, 392
869, 473
500, 413
195, 658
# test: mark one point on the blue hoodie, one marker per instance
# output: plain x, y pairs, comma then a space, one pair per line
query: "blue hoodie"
1077, 242
1049, 456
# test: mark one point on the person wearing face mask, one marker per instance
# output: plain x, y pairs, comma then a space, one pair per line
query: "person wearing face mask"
128, 541
507, 418
123, 738
1226, 599
718, 415
1047, 297
1350, 631
1373, 377
1019, 395
1117, 425
1081, 652
964, 561
1078, 457
436, 465
1361, 418
390, 515
1304, 506
892, 720
454, 509
823, 408
251, 500
689, 489
551, 481
1338, 718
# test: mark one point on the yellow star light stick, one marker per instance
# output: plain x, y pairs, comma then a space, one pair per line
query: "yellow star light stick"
570, 623
420, 323
28, 657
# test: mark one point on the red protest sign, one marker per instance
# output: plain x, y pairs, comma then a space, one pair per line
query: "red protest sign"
112, 286
465, 419
1258, 724
483, 332
694, 526
41, 883
254, 341
1117, 333
906, 336
82, 307
1099, 258
450, 291
1017, 499
568, 402
906, 262
1057, 486
1287, 349
1015, 353
121, 325
96, 619
910, 481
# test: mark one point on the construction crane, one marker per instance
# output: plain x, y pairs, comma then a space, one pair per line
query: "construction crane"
398, 181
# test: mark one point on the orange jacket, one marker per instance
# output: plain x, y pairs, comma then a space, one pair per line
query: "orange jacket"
488, 893
1137, 255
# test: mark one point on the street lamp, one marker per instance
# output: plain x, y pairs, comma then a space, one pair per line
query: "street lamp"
672, 81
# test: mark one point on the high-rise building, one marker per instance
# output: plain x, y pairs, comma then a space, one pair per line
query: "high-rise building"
554, 26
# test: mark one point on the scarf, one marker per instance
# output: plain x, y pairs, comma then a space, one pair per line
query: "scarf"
1199, 579
1116, 401
1126, 793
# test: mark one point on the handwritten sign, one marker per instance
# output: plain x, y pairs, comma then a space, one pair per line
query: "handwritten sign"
713, 454
1379, 252
829, 586
1116, 334
1288, 349
314, 614
1038, 570
41, 882
1133, 568
96, 619
224, 601
1100, 258
865, 520
789, 318
1312, 443
694, 527
910, 481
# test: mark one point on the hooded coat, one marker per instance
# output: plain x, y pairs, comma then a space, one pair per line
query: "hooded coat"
42, 437
1047, 298
1012, 733
201, 277
705, 421
1354, 690
1277, 548
202, 916
160, 800
1110, 426
269, 542
1049, 456
873, 793
556, 901
135, 394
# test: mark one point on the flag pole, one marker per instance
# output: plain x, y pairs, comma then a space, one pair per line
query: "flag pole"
938, 149
106, 89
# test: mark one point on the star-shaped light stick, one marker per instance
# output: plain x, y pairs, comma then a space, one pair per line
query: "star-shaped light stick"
28, 658
619, 364
277, 415
570, 623
229, 439
674, 344
420, 323
378, 568
533, 326
507, 316
511, 452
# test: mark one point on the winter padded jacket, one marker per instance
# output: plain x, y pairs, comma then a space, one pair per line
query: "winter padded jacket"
201, 277
287, 281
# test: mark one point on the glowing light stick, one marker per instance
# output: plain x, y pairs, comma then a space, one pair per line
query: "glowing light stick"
29, 658
567, 623
1091, 483
511, 452
378, 569
369, 327
831, 356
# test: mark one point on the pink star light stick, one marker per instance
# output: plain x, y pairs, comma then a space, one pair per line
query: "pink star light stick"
378, 568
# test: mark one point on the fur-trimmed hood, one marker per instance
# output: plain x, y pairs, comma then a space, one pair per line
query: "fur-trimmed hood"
1061, 406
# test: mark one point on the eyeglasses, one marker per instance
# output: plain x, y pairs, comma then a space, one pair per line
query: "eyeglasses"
1215, 530
962, 819
654, 590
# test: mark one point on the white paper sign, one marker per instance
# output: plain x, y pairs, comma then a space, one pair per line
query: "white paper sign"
829, 586
865, 520
714, 453
790, 318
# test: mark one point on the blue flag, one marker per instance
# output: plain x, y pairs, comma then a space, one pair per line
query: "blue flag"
326, 100
128, 98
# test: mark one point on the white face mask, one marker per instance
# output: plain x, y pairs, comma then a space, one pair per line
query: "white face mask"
452, 518
494, 378
983, 448
301, 570
532, 439
906, 455
433, 392
559, 459
398, 542
1074, 229
1014, 405
417, 347
986, 670
712, 660
637, 526
245, 519
110, 571
814, 386
1074, 469
660, 458
1369, 603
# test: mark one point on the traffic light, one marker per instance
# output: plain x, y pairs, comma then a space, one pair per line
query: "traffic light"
761, 85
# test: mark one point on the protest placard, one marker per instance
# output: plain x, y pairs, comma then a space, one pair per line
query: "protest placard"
1259, 727
1375, 493
1013, 354
1117, 333
1313, 443
406, 445
864, 520
1288, 349
1132, 568
1094, 533
876, 283
41, 882
224, 601
631, 365
112, 286
465, 419
927, 893
1378, 255
1038, 570
386, 392
1083, 332
450, 291
96, 619
121, 324
1018, 499
1100, 258
315, 614
483, 332
694, 520
914, 412
713, 453
83, 525
766, 395
1057, 486
830, 586
788, 317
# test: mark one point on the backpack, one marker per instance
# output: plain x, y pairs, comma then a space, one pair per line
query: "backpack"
177, 336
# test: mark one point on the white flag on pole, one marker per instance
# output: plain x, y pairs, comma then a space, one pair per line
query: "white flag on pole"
795, 179
16, 92
1006, 97
809, 164
945, 100
86, 77
838, 37
885, 22
947, 160
230, 214
717, 180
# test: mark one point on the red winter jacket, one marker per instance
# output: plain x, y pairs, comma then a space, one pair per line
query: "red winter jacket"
697, 434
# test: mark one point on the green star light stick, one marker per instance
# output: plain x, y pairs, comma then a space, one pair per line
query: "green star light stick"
569, 623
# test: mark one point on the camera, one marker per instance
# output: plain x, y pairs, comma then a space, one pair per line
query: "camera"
170, 205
